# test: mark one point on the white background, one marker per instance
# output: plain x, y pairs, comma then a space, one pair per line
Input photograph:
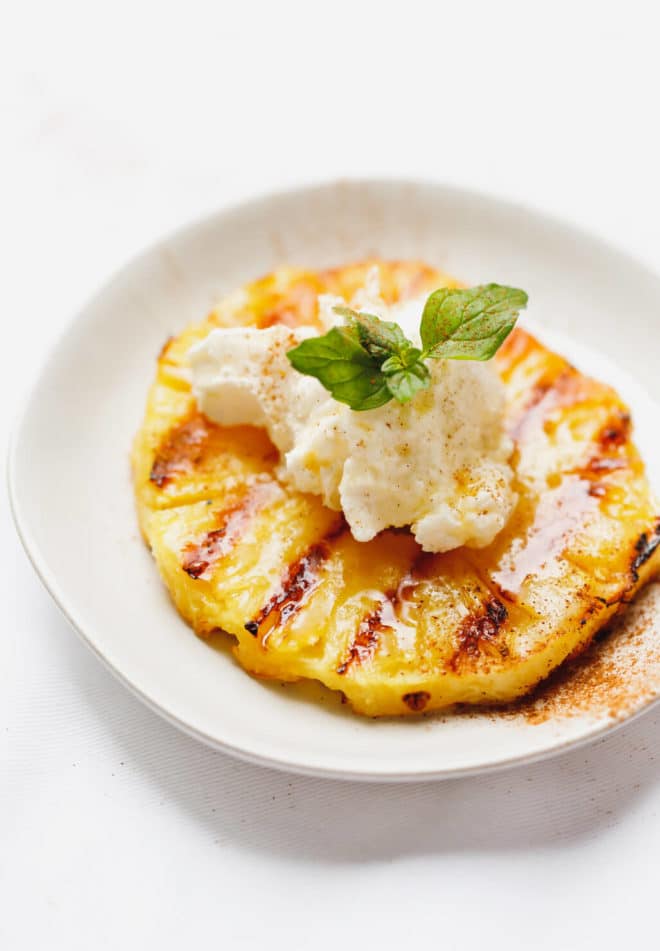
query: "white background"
119, 122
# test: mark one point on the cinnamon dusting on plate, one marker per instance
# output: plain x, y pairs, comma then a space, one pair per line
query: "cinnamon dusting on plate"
617, 675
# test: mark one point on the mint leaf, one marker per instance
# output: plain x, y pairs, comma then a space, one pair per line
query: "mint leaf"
470, 323
343, 366
379, 337
406, 358
404, 379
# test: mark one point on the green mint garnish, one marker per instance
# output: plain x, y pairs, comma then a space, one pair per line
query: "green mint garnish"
369, 361
470, 323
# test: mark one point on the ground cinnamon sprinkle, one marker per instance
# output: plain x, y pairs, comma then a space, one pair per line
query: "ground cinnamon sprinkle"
615, 676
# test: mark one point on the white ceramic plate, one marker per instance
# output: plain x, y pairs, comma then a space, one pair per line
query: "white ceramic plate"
71, 491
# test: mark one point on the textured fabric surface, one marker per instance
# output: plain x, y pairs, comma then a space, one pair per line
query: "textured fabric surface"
119, 122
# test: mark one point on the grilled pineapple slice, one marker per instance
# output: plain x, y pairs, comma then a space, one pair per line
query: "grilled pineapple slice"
396, 630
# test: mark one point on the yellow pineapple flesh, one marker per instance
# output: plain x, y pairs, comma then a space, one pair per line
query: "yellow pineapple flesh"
396, 630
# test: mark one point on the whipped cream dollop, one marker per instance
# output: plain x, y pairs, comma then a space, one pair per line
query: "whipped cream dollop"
439, 464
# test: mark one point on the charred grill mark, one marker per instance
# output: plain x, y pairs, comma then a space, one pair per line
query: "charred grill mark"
300, 580
589, 612
496, 612
568, 389
365, 642
417, 700
645, 546
477, 634
611, 453
388, 616
181, 450
199, 557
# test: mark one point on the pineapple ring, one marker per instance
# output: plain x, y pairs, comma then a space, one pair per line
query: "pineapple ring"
396, 630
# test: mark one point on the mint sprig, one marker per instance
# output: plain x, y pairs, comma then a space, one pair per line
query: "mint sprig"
369, 361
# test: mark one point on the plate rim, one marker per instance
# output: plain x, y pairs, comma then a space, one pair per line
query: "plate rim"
48, 577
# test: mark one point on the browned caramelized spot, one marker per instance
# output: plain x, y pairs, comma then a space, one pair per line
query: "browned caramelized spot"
300, 580
559, 514
645, 546
200, 557
597, 490
478, 634
611, 446
181, 451
617, 432
417, 700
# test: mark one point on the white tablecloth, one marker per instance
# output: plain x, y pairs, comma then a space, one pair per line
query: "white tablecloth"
119, 122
